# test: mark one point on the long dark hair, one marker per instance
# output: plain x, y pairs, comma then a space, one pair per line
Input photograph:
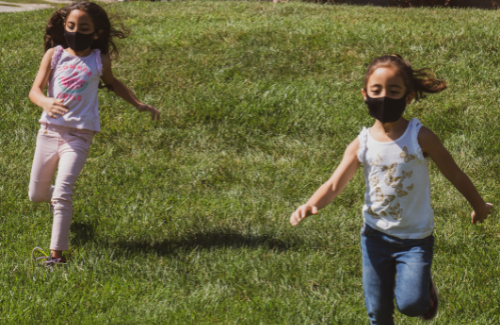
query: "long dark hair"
419, 81
54, 32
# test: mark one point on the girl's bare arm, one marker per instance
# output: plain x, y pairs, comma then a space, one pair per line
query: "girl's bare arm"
52, 106
333, 187
432, 146
121, 90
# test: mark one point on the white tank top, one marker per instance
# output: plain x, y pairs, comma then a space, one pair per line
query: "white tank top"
75, 80
397, 198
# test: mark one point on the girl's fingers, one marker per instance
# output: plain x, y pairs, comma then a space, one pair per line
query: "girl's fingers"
154, 114
297, 216
60, 107
58, 102
302, 212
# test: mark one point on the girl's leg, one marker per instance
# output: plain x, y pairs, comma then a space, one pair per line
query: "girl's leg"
73, 155
413, 264
378, 276
44, 166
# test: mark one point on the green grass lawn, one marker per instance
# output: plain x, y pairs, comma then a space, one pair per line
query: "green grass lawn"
28, 1
185, 221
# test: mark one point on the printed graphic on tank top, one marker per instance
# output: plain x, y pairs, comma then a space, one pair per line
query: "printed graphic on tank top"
75, 80
397, 197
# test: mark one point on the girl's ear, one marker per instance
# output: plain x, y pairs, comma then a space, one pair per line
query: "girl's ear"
363, 92
410, 97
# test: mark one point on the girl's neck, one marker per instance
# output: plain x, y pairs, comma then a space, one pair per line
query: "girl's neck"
389, 131
83, 53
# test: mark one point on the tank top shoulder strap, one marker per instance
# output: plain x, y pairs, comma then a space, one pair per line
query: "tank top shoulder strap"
58, 51
363, 137
415, 128
98, 62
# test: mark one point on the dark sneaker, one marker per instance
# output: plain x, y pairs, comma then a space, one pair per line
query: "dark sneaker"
434, 304
55, 261
46, 259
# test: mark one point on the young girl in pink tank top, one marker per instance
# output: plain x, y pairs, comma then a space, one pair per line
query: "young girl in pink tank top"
78, 46
396, 238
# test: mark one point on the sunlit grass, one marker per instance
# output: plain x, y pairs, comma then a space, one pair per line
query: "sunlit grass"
186, 220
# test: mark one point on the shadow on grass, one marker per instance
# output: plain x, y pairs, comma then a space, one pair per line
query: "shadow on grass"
83, 232
206, 240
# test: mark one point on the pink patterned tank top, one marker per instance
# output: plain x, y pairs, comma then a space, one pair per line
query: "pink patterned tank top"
75, 80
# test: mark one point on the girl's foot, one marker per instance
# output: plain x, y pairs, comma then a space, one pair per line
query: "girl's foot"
46, 259
434, 304
54, 261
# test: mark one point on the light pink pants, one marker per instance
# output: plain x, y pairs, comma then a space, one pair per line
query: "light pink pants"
67, 149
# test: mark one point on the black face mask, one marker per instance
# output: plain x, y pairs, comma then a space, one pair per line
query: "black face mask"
385, 109
77, 41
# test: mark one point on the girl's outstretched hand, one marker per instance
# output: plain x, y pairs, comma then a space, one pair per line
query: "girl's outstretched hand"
303, 211
54, 107
480, 216
155, 115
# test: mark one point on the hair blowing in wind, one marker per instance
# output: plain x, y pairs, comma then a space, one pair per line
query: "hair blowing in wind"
54, 32
419, 81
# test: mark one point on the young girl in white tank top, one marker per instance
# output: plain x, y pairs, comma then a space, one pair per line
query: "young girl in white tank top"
396, 238
78, 42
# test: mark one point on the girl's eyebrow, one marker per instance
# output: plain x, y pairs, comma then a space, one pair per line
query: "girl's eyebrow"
377, 85
82, 24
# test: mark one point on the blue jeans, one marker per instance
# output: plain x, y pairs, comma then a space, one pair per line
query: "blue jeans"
395, 268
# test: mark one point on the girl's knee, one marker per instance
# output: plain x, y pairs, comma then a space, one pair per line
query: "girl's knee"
37, 197
413, 307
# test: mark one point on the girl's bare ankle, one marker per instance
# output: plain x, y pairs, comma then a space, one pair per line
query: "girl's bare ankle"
56, 254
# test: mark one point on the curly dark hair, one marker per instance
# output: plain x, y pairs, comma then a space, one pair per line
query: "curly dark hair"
419, 81
54, 32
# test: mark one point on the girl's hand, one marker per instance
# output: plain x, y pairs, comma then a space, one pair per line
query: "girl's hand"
155, 115
54, 107
303, 211
480, 216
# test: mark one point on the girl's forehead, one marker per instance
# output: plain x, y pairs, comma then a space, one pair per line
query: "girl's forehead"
384, 75
80, 16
